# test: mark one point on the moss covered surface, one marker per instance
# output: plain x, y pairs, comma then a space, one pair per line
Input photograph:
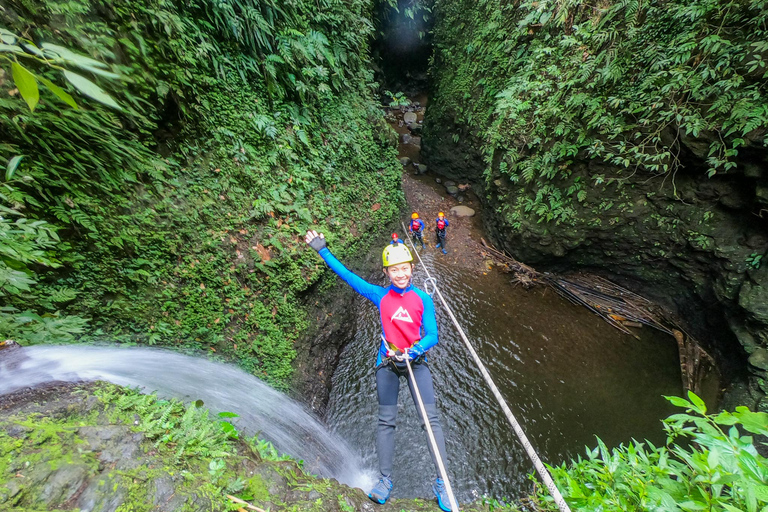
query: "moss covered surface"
105, 448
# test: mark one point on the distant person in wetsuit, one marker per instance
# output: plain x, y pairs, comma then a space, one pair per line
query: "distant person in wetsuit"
409, 329
440, 224
416, 228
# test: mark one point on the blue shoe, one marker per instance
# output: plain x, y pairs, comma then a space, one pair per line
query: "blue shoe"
380, 491
437, 246
445, 252
441, 493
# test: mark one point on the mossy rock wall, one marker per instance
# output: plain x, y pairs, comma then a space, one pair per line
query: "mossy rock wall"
625, 138
178, 219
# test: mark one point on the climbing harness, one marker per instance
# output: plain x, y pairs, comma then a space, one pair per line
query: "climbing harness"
543, 473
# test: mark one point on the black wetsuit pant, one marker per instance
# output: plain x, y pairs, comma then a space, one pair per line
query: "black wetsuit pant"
418, 236
387, 388
440, 237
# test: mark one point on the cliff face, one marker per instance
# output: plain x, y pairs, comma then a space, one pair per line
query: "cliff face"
168, 208
629, 139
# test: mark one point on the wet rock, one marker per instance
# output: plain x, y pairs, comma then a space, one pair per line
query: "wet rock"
450, 183
406, 138
761, 194
163, 490
405, 161
410, 117
64, 483
752, 170
420, 168
438, 180
759, 359
452, 191
460, 198
753, 295
462, 211
416, 141
415, 128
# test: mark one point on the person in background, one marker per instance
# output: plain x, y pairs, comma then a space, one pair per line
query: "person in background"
409, 330
440, 224
416, 228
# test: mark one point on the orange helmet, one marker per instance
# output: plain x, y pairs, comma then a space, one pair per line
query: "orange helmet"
414, 215
441, 214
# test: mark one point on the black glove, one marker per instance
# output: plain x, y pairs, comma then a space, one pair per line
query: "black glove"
317, 242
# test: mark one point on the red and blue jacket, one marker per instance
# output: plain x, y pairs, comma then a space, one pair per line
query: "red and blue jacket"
416, 226
437, 225
407, 315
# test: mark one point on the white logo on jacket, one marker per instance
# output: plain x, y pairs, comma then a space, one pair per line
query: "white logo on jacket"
402, 315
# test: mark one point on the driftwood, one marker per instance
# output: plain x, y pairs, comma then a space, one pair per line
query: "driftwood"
245, 503
619, 307
524, 275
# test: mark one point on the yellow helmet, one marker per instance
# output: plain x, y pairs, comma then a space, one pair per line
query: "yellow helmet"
394, 254
414, 215
441, 214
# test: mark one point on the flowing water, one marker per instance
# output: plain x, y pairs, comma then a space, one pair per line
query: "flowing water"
263, 411
566, 374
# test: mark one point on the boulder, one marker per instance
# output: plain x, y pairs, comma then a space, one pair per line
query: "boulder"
450, 183
420, 168
410, 117
405, 161
453, 191
406, 138
415, 128
759, 359
462, 211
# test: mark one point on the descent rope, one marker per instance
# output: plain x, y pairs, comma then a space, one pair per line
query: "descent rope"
540, 468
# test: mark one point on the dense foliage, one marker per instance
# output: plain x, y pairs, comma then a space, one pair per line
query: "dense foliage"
643, 87
171, 211
710, 462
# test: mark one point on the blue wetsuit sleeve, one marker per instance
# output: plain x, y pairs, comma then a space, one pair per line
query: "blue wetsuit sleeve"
370, 291
428, 321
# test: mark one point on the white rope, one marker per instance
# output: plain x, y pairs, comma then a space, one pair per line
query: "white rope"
432, 441
540, 468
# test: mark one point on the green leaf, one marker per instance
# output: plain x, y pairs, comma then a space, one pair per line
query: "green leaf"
66, 54
61, 93
680, 402
7, 36
27, 85
698, 403
755, 422
90, 89
101, 72
13, 164
10, 48
228, 415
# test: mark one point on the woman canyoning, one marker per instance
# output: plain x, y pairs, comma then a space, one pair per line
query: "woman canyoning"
409, 330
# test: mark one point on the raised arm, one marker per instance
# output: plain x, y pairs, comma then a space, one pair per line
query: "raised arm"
370, 291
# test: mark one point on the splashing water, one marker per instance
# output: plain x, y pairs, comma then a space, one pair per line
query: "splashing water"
263, 411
